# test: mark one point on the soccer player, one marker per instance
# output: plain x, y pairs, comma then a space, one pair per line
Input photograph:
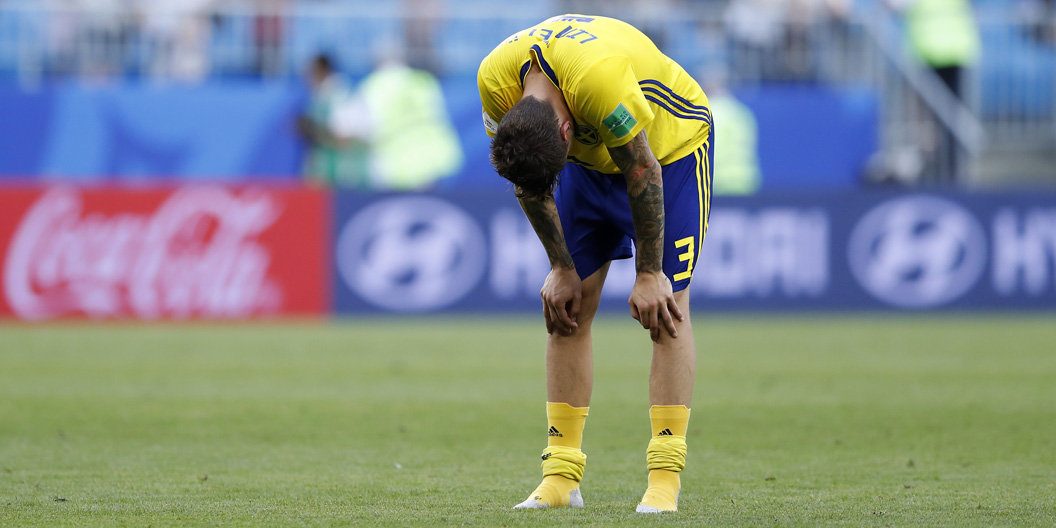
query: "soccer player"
606, 141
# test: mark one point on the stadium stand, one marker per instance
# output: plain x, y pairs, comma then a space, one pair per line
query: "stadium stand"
78, 64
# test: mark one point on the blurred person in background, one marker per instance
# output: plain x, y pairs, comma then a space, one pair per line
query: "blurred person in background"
421, 17
798, 60
106, 39
333, 126
943, 35
178, 33
833, 46
649, 16
782, 40
104, 29
607, 142
738, 159
61, 37
268, 34
816, 37
756, 29
413, 144
1040, 16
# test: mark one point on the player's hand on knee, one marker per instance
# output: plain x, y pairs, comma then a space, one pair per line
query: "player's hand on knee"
653, 304
562, 293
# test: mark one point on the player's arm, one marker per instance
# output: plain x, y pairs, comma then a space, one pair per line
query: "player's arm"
610, 99
652, 301
313, 132
350, 123
542, 213
645, 189
562, 290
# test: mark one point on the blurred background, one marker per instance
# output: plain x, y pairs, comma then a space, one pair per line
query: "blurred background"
237, 158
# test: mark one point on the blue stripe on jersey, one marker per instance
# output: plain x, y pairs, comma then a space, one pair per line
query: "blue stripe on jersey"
673, 94
663, 104
524, 71
545, 65
574, 159
650, 89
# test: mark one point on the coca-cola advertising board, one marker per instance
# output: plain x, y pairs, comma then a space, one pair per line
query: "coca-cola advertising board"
195, 252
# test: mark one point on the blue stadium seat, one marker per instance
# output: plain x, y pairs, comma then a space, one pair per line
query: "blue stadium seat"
1017, 74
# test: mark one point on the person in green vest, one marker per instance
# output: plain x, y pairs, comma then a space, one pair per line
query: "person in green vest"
413, 143
944, 36
736, 128
336, 155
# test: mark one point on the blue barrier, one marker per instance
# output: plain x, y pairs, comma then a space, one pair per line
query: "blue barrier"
810, 137
229, 132
813, 137
25, 123
475, 252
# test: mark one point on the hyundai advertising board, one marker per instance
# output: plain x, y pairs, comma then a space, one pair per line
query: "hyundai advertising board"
475, 252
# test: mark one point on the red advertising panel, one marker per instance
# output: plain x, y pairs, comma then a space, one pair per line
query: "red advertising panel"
201, 252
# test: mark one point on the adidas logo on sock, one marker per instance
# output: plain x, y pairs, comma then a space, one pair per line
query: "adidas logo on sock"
665, 432
546, 456
555, 432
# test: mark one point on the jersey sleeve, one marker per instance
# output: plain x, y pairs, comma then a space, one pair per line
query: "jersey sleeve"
609, 99
486, 101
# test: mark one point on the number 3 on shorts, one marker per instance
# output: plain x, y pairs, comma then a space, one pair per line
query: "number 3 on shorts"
686, 256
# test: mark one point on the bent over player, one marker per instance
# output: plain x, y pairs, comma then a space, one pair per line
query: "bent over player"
606, 141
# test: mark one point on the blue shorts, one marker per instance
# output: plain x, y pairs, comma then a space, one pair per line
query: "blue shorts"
596, 215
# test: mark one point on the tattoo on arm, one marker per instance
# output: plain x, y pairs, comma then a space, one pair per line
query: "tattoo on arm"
543, 216
645, 189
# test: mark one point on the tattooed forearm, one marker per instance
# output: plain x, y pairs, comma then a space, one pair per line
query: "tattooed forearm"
645, 189
543, 216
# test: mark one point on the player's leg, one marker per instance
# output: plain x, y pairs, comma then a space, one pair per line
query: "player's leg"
569, 359
670, 391
569, 381
593, 242
687, 193
674, 363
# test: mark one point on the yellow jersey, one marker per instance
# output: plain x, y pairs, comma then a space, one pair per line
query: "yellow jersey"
615, 81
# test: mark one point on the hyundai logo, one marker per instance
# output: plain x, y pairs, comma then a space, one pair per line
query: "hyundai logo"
917, 252
411, 254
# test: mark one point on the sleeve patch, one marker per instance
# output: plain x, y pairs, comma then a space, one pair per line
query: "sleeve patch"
620, 122
489, 124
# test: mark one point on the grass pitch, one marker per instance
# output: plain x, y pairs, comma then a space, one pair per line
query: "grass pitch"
796, 422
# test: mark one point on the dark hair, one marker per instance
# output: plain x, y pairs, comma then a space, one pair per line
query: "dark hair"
323, 62
528, 150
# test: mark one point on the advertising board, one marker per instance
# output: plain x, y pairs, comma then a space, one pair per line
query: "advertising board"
203, 252
475, 251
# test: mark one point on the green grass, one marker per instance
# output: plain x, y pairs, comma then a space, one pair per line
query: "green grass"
796, 422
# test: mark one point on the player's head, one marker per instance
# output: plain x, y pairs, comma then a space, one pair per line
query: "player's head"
528, 148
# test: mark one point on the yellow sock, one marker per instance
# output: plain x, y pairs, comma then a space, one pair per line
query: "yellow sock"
565, 424
666, 456
563, 460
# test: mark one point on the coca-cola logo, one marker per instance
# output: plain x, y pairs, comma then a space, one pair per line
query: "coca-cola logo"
196, 255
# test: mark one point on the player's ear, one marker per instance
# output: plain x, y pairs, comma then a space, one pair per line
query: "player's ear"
566, 131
